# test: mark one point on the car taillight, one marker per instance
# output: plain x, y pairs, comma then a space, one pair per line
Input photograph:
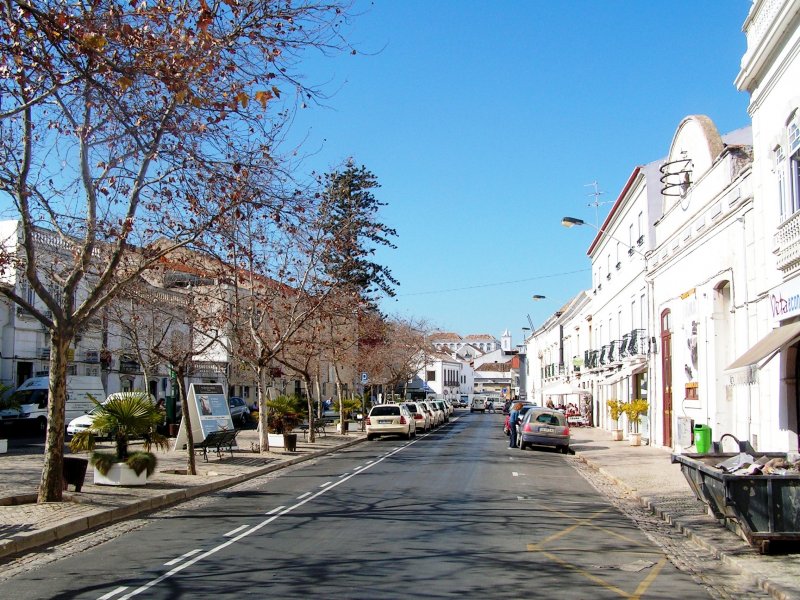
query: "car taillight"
368, 422
528, 427
566, 430
402, 420
418, 416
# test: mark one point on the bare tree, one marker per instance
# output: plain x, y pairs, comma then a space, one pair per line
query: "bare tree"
126, 124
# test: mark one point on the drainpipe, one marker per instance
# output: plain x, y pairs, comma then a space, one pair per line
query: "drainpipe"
747, 328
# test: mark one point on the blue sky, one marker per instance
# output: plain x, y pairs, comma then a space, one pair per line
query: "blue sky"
485, 120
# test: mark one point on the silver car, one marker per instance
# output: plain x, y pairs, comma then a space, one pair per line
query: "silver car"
544, 427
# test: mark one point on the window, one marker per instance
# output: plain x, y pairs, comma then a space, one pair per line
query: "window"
794, 167
430, 376
780, 169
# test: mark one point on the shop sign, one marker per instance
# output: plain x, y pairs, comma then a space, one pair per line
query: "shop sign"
784, 300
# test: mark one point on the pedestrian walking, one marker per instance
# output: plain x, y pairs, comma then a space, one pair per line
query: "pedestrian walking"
513, 417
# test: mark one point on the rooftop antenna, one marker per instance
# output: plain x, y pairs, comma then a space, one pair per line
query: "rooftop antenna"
596, 203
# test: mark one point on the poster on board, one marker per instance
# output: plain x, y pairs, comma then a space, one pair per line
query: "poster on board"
207, 411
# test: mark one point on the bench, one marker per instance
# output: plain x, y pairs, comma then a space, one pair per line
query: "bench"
217, 441
319, 426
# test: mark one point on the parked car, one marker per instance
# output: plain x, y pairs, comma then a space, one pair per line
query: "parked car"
390, 419
240, 412
443, 407
449, 405
544, 427
85, 421
522, 412
436, 412
422, 416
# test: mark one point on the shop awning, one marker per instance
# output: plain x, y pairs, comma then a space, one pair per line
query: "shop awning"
565, 389
768, 346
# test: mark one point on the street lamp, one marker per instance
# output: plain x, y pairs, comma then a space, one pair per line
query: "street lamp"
573, 221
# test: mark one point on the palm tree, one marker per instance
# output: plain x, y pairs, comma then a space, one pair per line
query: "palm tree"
122, 417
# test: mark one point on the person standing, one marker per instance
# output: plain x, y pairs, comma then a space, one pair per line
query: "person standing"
512, 425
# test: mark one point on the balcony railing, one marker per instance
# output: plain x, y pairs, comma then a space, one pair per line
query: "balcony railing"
787, 241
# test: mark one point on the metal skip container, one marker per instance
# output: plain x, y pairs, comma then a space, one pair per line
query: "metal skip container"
762, 509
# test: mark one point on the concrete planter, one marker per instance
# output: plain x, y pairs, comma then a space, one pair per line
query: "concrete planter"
616, 435
635, 439
3, 446
120, 474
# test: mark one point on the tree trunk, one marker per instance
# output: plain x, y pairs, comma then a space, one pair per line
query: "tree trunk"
51, 484
263, 432
191, 465
311, 435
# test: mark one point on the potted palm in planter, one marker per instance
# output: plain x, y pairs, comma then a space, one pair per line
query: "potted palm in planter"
122, 417
615, 410
285, 413
635, 409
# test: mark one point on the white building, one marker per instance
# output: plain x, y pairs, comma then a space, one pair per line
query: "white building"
764, 376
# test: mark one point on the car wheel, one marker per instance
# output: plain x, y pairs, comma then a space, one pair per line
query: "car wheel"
41, 424
564, 449
471, 410
370, 437
523, 446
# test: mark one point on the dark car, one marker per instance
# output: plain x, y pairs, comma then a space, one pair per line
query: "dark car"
240, 412
544, 427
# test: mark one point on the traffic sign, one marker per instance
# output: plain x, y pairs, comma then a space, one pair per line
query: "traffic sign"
364, 378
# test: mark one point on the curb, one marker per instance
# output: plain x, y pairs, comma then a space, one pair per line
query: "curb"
774, 589
24, 543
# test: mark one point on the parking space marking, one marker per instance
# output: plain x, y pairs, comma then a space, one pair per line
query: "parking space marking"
514, 474
233, 532
327, 483
175, 561
113, 593
301, 496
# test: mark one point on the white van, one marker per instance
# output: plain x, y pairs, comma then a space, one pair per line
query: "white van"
33, 394
478, 403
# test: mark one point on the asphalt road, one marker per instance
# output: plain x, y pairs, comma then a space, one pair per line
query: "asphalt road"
454, 513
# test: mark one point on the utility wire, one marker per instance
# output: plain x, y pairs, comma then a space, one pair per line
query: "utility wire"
499, 283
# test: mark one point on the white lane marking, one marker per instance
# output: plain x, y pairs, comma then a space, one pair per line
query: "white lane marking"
244, 534
369, 462
514, 473
327, 483
113, 593
301, 496
233, 532
344, 474
274, 510
520, 497
175, 561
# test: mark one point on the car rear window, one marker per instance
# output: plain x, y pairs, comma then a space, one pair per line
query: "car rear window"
548, 419
412, 407
383, 411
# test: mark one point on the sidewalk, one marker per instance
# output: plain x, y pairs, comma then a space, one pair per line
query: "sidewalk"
647, 472
25, 525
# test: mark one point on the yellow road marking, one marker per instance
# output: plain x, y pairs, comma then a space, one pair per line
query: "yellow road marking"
590, 576
648, 581
593, 525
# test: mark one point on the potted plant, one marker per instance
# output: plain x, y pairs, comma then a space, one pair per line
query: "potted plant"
121, 418
615, 409
634, 410
350, 407
285, 413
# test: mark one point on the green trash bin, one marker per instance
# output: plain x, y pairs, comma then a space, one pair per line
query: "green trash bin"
702, 438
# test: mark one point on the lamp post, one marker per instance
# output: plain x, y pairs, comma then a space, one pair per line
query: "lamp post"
570, 222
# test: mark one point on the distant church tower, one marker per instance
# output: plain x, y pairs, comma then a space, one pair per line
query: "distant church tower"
505, 341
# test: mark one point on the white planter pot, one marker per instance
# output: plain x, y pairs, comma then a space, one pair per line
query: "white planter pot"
3, 446
275, 441
635, 439
120, 474
616, 435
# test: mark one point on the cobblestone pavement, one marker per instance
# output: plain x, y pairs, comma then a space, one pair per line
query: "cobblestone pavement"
721, 581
